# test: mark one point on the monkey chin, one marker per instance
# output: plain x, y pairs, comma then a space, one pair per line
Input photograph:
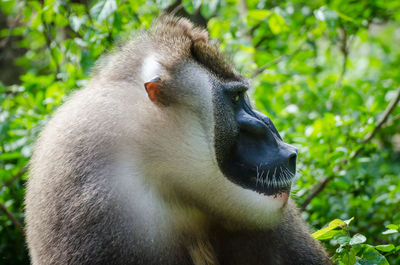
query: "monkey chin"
282, 197
255, 211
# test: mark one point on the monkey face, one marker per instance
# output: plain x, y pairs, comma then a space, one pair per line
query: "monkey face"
251, 153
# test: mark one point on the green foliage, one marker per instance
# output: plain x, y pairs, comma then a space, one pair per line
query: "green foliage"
353, 249
324, 71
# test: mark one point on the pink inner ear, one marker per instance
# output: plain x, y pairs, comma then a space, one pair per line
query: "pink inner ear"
153, 90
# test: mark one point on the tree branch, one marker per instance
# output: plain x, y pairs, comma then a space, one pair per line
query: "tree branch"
16, 176
46, 33
345, 43
381, 120
320, 186
12, 24
275, 61
13, 219
392, 121
344, 47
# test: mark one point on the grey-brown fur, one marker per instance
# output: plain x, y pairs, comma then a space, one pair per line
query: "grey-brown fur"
289, 243
117, 179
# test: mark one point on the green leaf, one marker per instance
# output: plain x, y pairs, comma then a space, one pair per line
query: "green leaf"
258, 14
392, 226
103, 9
7, 6
276, 23
390, 231
10, 156
349, 258
191, 6
76, 22
370, 256
61, 20
345, 17
325, 14
385, 248
343, 240
357, 239
208, 8
326, 233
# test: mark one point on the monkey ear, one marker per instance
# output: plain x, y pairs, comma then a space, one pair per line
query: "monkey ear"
153, 89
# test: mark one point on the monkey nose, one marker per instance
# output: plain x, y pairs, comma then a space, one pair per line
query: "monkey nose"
291, 161
290, 157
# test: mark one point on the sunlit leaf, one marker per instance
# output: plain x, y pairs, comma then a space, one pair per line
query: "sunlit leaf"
385, 248
392, 226
390, 231
103, 9
327, 233
276, 23
258, 14
357, 239
76, 22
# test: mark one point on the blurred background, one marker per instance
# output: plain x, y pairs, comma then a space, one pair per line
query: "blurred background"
327, 72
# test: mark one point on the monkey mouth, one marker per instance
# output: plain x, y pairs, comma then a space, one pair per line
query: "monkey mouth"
275, 181
276, 193
272, 182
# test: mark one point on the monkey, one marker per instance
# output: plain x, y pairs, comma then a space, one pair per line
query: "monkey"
161, 159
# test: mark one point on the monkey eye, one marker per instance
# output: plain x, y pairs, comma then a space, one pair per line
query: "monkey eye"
235, 98
235, 91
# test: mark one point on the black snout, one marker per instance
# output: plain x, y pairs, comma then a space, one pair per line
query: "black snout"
252, 125
259, 143
257, 158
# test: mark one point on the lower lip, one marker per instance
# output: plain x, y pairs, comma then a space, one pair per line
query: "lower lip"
283, 197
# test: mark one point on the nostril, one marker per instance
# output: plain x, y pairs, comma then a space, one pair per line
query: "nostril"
292, 160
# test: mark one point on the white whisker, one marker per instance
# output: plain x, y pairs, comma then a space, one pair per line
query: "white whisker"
257, 177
